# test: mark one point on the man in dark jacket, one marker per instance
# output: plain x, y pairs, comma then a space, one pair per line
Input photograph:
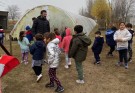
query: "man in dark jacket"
41, 24
78, 50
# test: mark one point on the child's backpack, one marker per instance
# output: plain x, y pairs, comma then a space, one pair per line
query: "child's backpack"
1, 35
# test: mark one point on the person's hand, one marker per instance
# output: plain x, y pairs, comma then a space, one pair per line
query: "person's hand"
119, 40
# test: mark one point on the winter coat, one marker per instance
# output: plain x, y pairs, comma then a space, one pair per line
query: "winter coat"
66, 41
37, 50
53, 53
60, 38
79, 47
41, 25
1, 33
109, 37
24, 44
132, 33
29, 35
98, 44
125, 36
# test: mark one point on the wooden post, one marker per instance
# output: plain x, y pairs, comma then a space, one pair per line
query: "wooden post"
10, 40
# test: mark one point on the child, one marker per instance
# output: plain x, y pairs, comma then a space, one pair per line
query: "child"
37, 50
1, 35
122, 36
53, 53
110, 41
65, 45
78, 50
29, 33
129, 27
57, 34
97, 46
24, 45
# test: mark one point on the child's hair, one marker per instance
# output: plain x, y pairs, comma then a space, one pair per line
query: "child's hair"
56, 31
39, 37
98, 33
21, 35
49, 35
114, 28
122, 23
129, 25
78, 28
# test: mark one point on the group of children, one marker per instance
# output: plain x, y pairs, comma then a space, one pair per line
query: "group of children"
76, 46
51, 45
121, 39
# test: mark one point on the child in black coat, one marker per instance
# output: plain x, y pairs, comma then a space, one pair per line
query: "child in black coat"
97, 46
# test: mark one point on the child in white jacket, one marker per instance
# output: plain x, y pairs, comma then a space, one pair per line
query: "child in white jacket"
122, 36
53, 53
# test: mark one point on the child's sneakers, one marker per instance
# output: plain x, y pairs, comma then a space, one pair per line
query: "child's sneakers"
49, 85
80, 81
39, 77
69, 63
126, 66
59, 89
66, 66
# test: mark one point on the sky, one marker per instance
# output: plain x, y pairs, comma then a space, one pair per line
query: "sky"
68, 5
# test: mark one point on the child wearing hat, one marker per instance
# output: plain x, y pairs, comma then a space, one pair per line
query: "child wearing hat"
29, 33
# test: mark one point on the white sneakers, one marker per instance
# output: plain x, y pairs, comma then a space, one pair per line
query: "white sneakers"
80, 81
39, 77
66, 66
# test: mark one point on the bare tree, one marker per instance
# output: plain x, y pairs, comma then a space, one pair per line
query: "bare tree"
122, 8
14, 12
87, 11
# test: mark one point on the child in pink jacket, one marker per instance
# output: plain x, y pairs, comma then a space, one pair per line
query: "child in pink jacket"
65, 45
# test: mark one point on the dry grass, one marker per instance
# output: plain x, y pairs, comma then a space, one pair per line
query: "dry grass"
106, 78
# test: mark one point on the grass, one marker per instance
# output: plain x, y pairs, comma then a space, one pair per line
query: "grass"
105, 78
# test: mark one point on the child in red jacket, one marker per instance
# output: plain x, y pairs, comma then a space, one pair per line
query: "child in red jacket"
65, 44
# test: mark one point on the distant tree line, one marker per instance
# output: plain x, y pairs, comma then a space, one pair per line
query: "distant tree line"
108, 11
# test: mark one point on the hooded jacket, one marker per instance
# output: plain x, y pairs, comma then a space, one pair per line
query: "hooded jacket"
38, 50
125, 36
53, 53
109, 37
79, 47
41, 25
98, 44
66, 41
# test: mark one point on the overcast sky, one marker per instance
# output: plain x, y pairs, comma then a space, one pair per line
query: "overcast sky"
69, 5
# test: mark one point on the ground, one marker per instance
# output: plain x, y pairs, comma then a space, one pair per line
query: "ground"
105, 78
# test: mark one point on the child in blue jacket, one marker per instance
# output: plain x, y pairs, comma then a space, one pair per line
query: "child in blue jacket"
97, 46
110, 41
37, 51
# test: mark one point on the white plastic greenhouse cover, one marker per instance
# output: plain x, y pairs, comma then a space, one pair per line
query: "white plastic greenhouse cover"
57, 17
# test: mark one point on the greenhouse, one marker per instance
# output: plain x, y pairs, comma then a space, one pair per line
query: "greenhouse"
57, 17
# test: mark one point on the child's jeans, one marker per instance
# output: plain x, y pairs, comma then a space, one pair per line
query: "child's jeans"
112, 48
97, 57
130, 51
25, 56
68, 60
123, 55
1, 40
53, 77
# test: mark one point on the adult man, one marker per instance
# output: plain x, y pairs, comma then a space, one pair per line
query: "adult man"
41, 24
